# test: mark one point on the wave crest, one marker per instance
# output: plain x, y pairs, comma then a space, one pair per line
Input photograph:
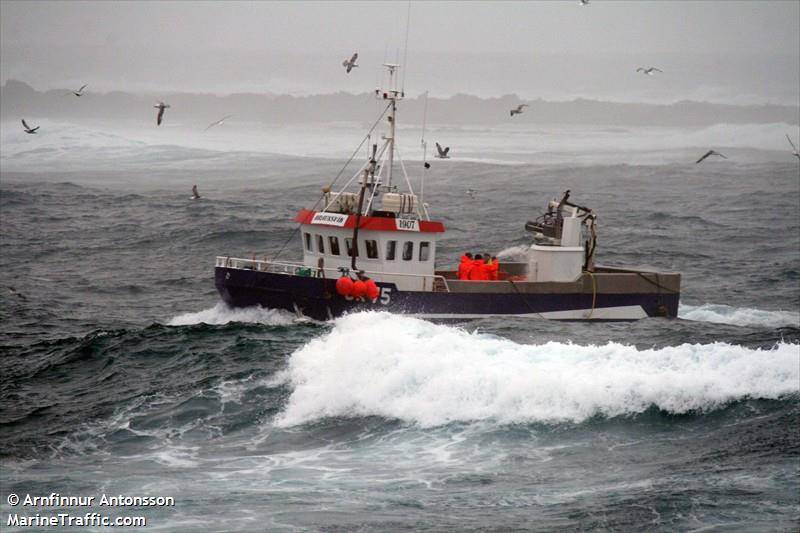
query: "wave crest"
738, 316
222, 313
412, 370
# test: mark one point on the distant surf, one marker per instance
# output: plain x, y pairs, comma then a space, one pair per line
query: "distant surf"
63, 145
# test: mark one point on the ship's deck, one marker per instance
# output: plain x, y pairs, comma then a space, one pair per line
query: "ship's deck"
603, 279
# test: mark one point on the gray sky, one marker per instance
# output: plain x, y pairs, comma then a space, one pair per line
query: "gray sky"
737, 51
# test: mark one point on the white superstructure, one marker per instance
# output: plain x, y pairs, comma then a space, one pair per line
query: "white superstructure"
564, 239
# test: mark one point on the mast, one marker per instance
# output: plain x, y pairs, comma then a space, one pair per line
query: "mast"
425, 164
393, 95
391, 142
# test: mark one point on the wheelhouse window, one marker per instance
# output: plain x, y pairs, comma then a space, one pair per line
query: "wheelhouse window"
372, 248
348, 243
391, 249
424, 250
334, 245
320, 244
307, 237
408, 250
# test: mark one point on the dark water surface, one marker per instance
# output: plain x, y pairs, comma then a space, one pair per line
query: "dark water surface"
123, 374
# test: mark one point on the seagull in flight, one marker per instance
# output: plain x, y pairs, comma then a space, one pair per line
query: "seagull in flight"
583, 2
350, 64
79, 92
709, 154
28, 129
442, 151
471, 193
161, 107
794, 148
13, 291
217, 123
518, 110
649, 71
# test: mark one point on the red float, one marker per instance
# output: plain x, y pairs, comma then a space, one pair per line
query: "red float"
344, 286
359, 289
372, 289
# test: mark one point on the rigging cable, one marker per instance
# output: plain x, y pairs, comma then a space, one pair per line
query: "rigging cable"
524, 300
657, 282
367, 136
594, 294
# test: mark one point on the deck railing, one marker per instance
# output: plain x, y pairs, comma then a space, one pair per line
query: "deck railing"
435, 282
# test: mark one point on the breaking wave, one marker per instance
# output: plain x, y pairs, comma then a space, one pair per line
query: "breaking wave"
409, 369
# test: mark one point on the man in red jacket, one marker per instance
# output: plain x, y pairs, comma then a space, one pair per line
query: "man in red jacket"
492, 267
464, 266
478, 271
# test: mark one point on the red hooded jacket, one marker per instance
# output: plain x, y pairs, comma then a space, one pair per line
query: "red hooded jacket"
464, 267
492, 269
478, 271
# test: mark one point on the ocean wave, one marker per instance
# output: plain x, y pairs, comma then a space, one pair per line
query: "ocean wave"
738, 316
412, 370
222, 313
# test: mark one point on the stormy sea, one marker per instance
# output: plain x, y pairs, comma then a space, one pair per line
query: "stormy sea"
123, 374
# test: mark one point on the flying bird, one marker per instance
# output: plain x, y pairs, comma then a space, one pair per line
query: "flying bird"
217, 123
161, 107
13, 291
583, 2
77, 93
442, 151
794, 148
28, 129
350, 64
518, 110
471, 193
649, 71
708, 154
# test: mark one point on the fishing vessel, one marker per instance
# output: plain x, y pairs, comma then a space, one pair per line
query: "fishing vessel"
371, 245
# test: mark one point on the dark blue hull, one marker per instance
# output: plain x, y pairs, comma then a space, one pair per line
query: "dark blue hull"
317, 298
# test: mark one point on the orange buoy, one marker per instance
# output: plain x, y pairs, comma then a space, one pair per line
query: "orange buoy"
344, 286
359, 289
372, 289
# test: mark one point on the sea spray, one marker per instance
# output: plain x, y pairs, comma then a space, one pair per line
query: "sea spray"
222, 313
738, 316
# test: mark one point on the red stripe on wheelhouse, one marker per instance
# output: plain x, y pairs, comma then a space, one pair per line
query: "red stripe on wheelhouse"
304, 216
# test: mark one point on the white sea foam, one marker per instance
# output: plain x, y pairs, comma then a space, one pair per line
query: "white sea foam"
66, 145
738, 316
177, 456
405, 368
223, 314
